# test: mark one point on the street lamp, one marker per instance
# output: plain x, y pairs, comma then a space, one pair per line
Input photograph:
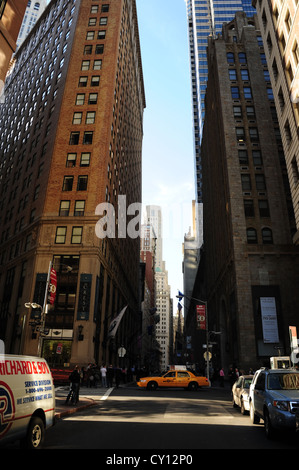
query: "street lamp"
180, 296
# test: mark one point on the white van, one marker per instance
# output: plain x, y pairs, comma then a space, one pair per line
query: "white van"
27, 400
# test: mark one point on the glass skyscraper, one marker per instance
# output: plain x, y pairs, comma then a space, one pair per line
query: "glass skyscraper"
205, 18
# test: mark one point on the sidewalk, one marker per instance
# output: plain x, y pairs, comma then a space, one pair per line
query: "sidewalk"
88, 397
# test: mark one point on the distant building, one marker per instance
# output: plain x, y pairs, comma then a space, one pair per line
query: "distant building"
33, 11
11, 16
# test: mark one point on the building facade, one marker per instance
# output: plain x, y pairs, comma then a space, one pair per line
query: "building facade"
32, 13
250, 263
72, 128
205, 19
279, 25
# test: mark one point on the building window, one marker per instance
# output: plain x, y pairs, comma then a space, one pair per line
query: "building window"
77, 235
230, 57
251, 235
82, 183
97, 64
90, 117
101, 34
99, 49
257, 158
105, 8
242, 58
295, 170
71, 160
235, 92
90, 35
247, 93
264, 208
260, 182
248, 208
267, 236
93, 98
95, 81
85, 65
82, 82
244, 74
243, 157
92, 21
88, 49
246, 182
253, 133
60, 235
237, 111
79, 208
88, 137
64, 208
85, 159
240, 134
74, 138
232, 74
68, 183
250, 112
77, 118
103, 21
80, 98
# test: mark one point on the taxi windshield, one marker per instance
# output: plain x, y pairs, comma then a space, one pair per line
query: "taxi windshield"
283, 381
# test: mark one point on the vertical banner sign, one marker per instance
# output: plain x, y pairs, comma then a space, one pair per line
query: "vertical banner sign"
84, 297
269, 320
294, 345
52, 287
201, 317
39, 293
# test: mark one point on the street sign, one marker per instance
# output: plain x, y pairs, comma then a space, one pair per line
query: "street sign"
121, 352
205, 355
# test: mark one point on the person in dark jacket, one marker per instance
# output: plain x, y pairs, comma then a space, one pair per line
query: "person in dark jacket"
74, 379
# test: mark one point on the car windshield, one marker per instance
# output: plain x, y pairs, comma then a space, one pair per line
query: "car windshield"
283, 381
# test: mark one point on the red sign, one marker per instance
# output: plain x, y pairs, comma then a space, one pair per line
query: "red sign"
201, 317
52, 287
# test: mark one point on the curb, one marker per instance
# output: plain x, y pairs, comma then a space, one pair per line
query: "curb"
75, 409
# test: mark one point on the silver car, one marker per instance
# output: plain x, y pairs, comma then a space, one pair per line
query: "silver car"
274, 397
240, 393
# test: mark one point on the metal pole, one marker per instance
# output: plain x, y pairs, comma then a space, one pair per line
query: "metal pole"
44, 311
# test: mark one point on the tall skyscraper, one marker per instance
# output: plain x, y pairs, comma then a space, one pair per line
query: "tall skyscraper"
205, 18
71, 137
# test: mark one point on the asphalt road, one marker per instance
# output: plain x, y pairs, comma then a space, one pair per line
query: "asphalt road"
163, 421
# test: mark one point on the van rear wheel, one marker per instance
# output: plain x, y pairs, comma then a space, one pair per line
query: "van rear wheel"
35, 434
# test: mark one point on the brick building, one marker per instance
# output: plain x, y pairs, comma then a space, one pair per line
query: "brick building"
72, 129
250, 268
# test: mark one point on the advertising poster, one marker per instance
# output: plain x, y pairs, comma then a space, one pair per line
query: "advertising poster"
269, 320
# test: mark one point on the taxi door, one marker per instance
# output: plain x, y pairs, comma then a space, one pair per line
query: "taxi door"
169, 379
183, 379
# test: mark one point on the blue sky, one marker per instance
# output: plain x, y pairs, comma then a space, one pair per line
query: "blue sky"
168, 169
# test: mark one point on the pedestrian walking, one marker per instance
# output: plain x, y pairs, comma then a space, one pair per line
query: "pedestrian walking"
221, 377
103, 371
110, 375
74, 379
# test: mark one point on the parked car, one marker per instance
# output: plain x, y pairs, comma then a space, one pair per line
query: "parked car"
240, 392
274, 397
174, 378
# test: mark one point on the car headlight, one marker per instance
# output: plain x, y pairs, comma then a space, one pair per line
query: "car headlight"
282, 405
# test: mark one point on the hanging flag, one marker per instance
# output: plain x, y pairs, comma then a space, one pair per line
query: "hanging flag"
52, 286
179, 307
180, 296
115, 322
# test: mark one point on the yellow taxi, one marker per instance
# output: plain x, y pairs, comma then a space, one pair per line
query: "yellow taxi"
174, 378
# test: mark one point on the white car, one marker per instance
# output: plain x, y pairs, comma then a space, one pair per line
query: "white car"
27, 400
240, 392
